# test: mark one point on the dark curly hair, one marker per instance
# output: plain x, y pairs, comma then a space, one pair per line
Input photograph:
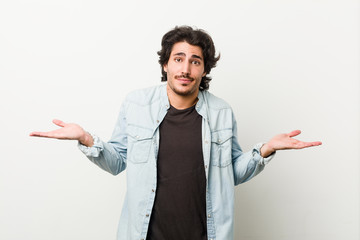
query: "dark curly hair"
196, 37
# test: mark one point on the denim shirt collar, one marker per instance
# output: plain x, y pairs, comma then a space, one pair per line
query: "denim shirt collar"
165, 104
201, 106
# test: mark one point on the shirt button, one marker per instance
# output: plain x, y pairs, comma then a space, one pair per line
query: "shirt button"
205, 166
147, 215
209, 216
157, 121
206, 142
152, 190
219, 141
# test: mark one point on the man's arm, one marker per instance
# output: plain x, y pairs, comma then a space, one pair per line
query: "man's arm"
247, 165
110, 156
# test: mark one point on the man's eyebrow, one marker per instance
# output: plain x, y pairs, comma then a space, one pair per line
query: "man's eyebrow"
183, 54
196, 56
180, 54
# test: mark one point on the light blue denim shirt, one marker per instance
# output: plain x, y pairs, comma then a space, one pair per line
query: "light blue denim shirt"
134, 146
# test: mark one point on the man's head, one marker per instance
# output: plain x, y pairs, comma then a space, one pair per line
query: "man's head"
195, 37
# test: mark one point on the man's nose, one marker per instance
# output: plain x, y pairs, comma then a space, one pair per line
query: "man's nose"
186, 67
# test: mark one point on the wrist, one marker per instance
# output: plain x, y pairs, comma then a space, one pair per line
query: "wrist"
266, 150
86, 139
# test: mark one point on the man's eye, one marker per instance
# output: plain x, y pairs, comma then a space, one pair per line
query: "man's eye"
195, 62
177, 60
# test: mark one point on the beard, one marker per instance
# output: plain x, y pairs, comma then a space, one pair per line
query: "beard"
184, 89
181, 92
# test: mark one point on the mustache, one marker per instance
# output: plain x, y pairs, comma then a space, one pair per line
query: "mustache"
184, 75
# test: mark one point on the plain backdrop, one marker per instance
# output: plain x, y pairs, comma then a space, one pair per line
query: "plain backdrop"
284, 65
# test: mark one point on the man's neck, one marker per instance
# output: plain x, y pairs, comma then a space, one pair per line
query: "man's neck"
182, 102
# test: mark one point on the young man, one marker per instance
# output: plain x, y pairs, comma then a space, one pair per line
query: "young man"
178, 143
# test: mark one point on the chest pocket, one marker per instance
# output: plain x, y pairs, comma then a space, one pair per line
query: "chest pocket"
221, 148
139, 143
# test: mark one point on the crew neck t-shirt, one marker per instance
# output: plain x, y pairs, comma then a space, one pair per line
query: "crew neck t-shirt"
179, 211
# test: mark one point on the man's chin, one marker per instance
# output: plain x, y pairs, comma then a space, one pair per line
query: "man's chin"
183, 92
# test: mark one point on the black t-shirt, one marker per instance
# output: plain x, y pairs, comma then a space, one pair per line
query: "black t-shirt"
179, 211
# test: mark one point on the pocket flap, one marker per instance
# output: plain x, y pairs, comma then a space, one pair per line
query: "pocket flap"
139, 133
221, 136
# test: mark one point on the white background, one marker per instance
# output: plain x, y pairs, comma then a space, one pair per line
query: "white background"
284, 65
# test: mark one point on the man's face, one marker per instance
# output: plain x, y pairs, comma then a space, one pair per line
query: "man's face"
185, 69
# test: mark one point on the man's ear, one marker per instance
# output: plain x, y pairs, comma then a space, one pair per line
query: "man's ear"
165, 68
204, 74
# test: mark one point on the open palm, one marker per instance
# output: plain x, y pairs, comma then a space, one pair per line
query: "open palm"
286, 141
68, 131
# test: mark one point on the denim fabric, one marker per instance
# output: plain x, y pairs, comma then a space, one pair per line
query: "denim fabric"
134, 147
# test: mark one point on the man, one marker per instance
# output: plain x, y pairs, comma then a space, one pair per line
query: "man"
178, 143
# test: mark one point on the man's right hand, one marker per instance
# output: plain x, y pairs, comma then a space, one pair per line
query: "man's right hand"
68, 131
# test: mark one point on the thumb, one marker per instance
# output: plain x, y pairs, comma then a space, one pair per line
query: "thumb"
294, 133
59, 122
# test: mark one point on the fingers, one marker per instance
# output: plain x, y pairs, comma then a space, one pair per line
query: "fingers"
313, 144
301, 145
50, 134
34, 134
39, 134
59, 122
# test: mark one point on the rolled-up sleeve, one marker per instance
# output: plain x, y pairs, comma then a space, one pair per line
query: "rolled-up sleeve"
110, 156
247, 165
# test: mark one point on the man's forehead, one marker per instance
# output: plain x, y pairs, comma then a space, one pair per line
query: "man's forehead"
184, 48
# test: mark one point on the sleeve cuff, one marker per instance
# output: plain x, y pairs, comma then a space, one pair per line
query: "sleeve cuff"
257, 156
94, 150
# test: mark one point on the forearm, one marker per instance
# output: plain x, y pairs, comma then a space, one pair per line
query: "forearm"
247, 165
111, 157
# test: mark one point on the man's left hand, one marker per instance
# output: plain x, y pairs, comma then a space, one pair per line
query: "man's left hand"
285, 141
